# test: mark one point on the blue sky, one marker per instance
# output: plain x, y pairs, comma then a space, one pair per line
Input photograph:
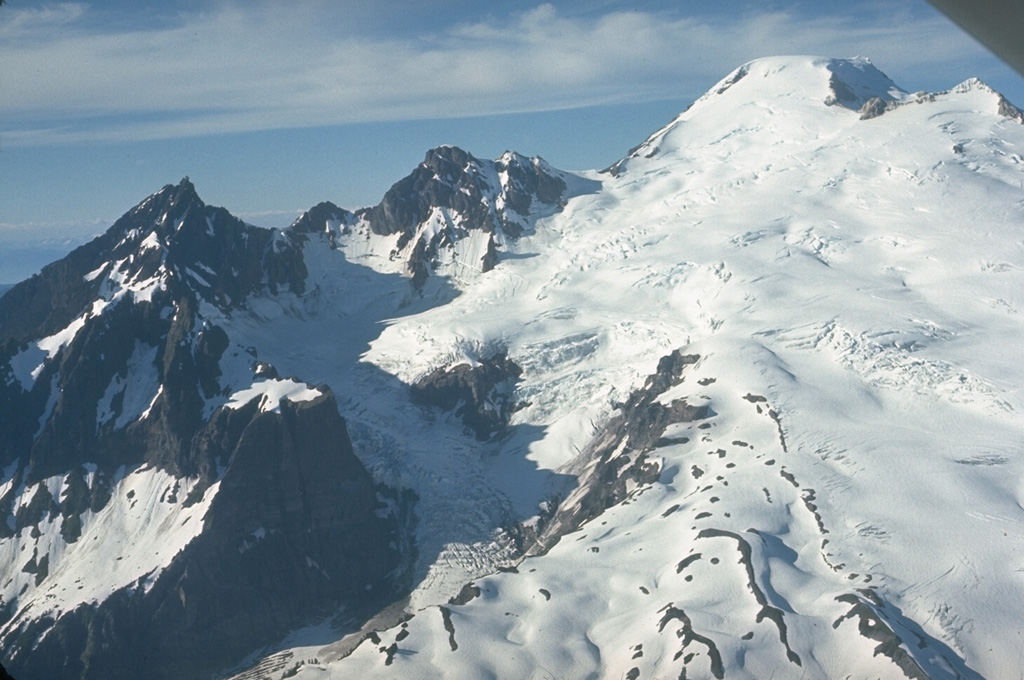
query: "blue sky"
271, 107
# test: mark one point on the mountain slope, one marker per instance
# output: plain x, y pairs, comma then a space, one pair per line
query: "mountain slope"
745, 404
851, 285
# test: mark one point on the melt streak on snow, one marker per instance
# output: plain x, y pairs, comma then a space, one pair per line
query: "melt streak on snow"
853, 288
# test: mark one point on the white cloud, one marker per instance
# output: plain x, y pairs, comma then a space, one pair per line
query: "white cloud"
67, 77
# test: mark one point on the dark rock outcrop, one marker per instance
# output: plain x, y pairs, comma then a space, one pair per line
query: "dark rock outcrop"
686, 633
133, 291
323, 218
616, 460
1008, 110
318, 218
467, 194
481, 394
873, 627
875, 107
914, 652
452, 179
767, 611
852, 83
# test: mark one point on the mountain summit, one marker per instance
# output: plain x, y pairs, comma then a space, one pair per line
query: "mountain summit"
451, 215
780, 101
834, 82
745, 404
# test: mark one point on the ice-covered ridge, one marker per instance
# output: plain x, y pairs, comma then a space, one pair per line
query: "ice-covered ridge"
972, 94
847, 82
676, 567
271, 392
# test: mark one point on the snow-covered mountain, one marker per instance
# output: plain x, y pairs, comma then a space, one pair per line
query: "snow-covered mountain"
745, 404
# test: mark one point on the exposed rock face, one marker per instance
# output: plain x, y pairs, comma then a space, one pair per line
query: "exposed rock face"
618, 453
865, 608
875, 107
854, 82
130, 298
914, 652
291, 535
451, 216
452, 179
1008, 110
480, 394
451, 195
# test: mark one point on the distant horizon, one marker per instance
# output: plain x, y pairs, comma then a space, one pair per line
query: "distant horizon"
270, 112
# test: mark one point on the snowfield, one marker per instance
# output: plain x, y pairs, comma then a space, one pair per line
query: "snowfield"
853, 507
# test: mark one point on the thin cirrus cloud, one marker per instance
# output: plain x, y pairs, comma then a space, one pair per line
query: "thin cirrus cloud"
68, 77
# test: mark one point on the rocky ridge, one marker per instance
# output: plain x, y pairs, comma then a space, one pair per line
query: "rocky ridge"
451, 215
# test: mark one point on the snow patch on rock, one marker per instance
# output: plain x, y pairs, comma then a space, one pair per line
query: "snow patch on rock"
272, 392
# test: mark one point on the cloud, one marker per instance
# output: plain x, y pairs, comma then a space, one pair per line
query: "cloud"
27, 234
71, 75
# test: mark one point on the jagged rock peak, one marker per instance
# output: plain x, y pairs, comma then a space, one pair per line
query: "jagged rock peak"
220, 256
168, 246
184, 190
173, 202
530, 177
449, 161
487, 195
971, 84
